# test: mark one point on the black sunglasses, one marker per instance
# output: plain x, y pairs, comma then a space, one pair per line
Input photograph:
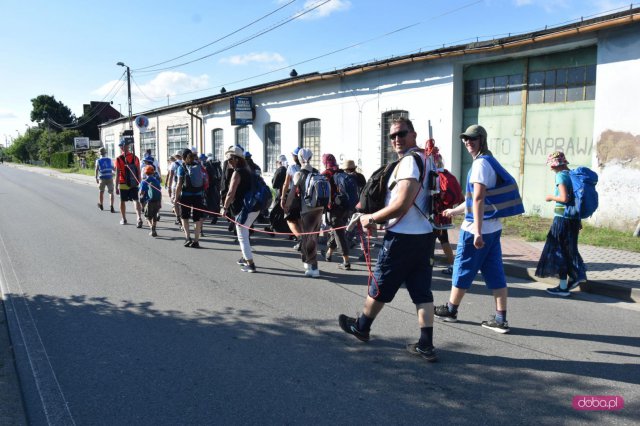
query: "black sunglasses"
469, 139
400, 134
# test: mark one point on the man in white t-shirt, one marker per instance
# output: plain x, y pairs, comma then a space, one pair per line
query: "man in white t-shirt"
407, 252
172, 180
479, 246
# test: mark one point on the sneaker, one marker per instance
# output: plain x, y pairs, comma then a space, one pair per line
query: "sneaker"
123, 221
344, 266
188, 243
498, 327
448, 270
427, 353
241, 261
576, 283
249, 268
312, 273
296, 247
100, 206
177, 222
139, 224
195, 244
327, 258
112, 210
350, 326
202, 233
557, 291
443, 312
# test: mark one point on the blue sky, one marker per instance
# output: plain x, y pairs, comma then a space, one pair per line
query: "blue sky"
69, 49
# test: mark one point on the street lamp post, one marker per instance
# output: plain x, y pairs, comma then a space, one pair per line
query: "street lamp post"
128, 91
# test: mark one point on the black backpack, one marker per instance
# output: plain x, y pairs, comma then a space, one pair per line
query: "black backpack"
193, 178
374, 193
130, 172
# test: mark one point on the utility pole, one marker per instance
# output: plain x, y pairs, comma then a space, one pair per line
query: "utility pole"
128, 91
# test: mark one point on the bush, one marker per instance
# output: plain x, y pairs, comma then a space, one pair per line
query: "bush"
61, 160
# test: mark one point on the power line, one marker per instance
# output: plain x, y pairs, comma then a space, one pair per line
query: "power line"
254, 36
219, 39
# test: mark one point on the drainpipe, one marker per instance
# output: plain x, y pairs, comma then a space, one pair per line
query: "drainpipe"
523, 123
199, 146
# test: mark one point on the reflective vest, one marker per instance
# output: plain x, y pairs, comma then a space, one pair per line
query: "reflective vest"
503, 200
105, 168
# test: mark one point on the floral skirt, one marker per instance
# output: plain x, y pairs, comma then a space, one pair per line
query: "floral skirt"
560, 256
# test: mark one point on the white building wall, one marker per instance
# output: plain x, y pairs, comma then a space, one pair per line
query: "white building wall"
616, 128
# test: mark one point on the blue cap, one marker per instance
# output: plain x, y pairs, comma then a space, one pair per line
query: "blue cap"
148, 158
296, 151
203, 157
247, 154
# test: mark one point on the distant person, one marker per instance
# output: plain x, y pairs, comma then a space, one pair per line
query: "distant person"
212, 194
289, 202
104, 178
560, 256
276, 215
155, 164
253, 166
172, 180
338, 216
128, 172
189, 195
349, 166
151, 195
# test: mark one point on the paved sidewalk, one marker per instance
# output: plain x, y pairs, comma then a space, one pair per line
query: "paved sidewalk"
610, 272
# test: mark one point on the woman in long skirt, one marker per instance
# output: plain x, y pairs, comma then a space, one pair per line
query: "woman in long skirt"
560, 257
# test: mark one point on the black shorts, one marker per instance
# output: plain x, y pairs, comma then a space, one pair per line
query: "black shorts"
191, 202
292, 215
151, 209
442, 235
129, 194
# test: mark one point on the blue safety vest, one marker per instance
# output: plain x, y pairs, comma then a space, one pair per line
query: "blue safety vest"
503, 200
105, 168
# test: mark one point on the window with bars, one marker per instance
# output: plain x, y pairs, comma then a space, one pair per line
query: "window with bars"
310, 139
562, 85
493, 91
242, 137
217, 142
388, 154
148, 141
177, 138
271, 146
110, 145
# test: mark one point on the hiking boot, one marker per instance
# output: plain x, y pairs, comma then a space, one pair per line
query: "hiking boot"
100, 206
443, 312
576, 283
153, 233
344, 266
241, 261
139, 224
498, 327
448, 270
188, 243
123, 221
327, 257
350, 326
112, 210
557, 291
312, 272
177, 222
195, 244
428, 353
249, 268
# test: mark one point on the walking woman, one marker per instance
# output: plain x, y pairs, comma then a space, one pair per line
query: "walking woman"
233, 205
560, 257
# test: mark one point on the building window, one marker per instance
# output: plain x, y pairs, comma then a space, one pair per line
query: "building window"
493, 91
177, 138
110, 145
217, 142
271, 146
242, 137
310, 139
388, 154
148, 141
562, 85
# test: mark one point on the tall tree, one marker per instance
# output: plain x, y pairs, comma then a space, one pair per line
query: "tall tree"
45, 106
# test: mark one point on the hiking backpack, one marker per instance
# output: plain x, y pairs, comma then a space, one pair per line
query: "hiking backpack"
193, 178
449, 196
315, 190
214, 171
257, 198
585, 197
346, 196
153, 189
374, 192
131, 172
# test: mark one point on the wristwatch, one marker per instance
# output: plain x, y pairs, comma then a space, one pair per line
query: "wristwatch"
371, 220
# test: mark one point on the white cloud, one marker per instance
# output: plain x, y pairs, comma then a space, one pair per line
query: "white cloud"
549, 6
326, 9
166, 83
5, 114
263, 58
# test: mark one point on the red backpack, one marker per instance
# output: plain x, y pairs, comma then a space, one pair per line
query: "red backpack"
450, 195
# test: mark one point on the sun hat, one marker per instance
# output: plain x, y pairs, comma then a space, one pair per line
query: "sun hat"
304, 155
556, 159
234, 151
348, 165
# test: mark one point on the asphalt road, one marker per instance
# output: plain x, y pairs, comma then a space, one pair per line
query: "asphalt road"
111, 326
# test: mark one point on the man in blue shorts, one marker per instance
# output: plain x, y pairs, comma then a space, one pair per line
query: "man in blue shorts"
407, 252
479, 246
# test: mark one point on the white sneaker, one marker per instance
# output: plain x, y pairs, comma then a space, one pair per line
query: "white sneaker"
306, 266
312, 273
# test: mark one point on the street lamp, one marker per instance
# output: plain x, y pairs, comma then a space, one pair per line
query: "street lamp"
128, 91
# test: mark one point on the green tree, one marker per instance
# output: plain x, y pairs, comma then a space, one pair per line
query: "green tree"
52, 142
24, 148
45, 106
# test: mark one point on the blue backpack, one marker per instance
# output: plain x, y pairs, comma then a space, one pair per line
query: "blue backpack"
316, 189
585, 196
346, 191
258, 198
153, 189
